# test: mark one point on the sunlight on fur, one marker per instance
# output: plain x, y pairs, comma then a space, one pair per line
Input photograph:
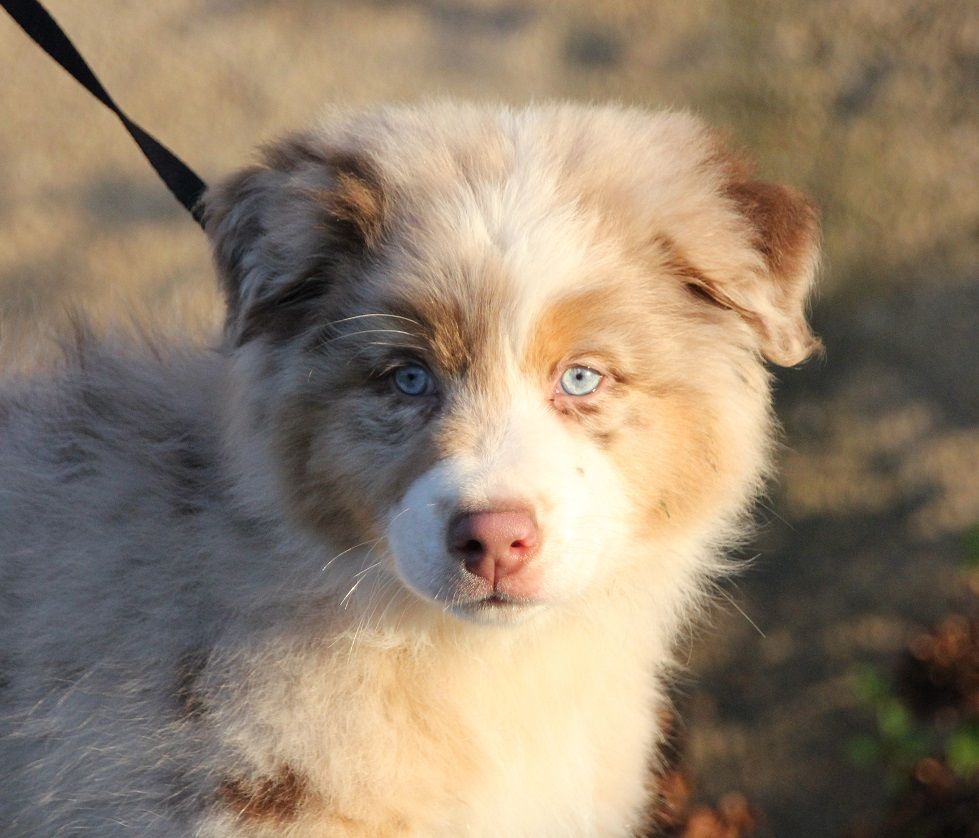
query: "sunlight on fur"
405, 550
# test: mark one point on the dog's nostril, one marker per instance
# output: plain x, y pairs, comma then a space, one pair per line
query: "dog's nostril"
472, 548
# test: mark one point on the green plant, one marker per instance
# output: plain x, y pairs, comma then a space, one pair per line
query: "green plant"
898, 741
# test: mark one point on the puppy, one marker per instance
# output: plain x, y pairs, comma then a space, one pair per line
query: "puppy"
407, 551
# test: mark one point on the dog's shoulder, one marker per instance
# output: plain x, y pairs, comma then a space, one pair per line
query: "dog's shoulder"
122, 414
110, 464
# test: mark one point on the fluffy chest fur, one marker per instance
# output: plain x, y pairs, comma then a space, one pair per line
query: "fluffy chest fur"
407, 551
457, 738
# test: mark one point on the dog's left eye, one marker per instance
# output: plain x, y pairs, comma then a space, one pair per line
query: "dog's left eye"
414, 380
580, 381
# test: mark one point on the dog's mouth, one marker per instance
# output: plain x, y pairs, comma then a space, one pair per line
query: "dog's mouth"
497, 606
497, 598
495, 601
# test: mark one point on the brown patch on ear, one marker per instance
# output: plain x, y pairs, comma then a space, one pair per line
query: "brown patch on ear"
357, 200
784, 230
283, 232
785, 223
354, 200
279, 798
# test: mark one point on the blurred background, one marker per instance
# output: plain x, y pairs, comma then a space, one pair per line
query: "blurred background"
801, 691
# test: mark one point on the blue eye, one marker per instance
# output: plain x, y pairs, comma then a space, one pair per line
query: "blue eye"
414, 380
580, 381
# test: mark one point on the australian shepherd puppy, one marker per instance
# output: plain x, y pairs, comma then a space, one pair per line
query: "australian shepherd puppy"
406, 552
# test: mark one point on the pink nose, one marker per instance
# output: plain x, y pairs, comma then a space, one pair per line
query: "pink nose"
492, 544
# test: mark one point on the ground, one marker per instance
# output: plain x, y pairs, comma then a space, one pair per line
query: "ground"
868, 105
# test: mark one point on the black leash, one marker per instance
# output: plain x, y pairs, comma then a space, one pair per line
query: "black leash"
34, 19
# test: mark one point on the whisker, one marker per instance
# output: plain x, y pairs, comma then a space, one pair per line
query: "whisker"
390, 585
369, 332
402, 512
771, 509
368, 568
396, 345
738, 608
347, 595
344, 552
372, 314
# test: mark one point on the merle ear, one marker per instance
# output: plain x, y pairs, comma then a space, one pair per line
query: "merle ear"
783, 228
282, 231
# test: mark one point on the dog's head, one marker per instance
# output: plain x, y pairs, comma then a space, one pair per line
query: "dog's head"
519, 349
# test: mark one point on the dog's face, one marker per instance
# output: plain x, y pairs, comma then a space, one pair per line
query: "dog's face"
518, 350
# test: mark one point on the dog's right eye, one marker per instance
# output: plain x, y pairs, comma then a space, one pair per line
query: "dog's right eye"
580, 381
413, 380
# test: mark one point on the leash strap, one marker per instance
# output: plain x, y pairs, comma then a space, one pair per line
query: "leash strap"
34, 19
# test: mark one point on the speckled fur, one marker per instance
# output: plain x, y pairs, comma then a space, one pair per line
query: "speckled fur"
226, 605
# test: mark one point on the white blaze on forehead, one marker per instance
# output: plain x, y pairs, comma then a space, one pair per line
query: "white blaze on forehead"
542, 242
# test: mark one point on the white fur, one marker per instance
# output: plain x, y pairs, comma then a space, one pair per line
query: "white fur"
175, 633
526, 457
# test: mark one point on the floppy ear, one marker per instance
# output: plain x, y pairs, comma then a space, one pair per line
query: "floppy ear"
281, 232
783, 229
